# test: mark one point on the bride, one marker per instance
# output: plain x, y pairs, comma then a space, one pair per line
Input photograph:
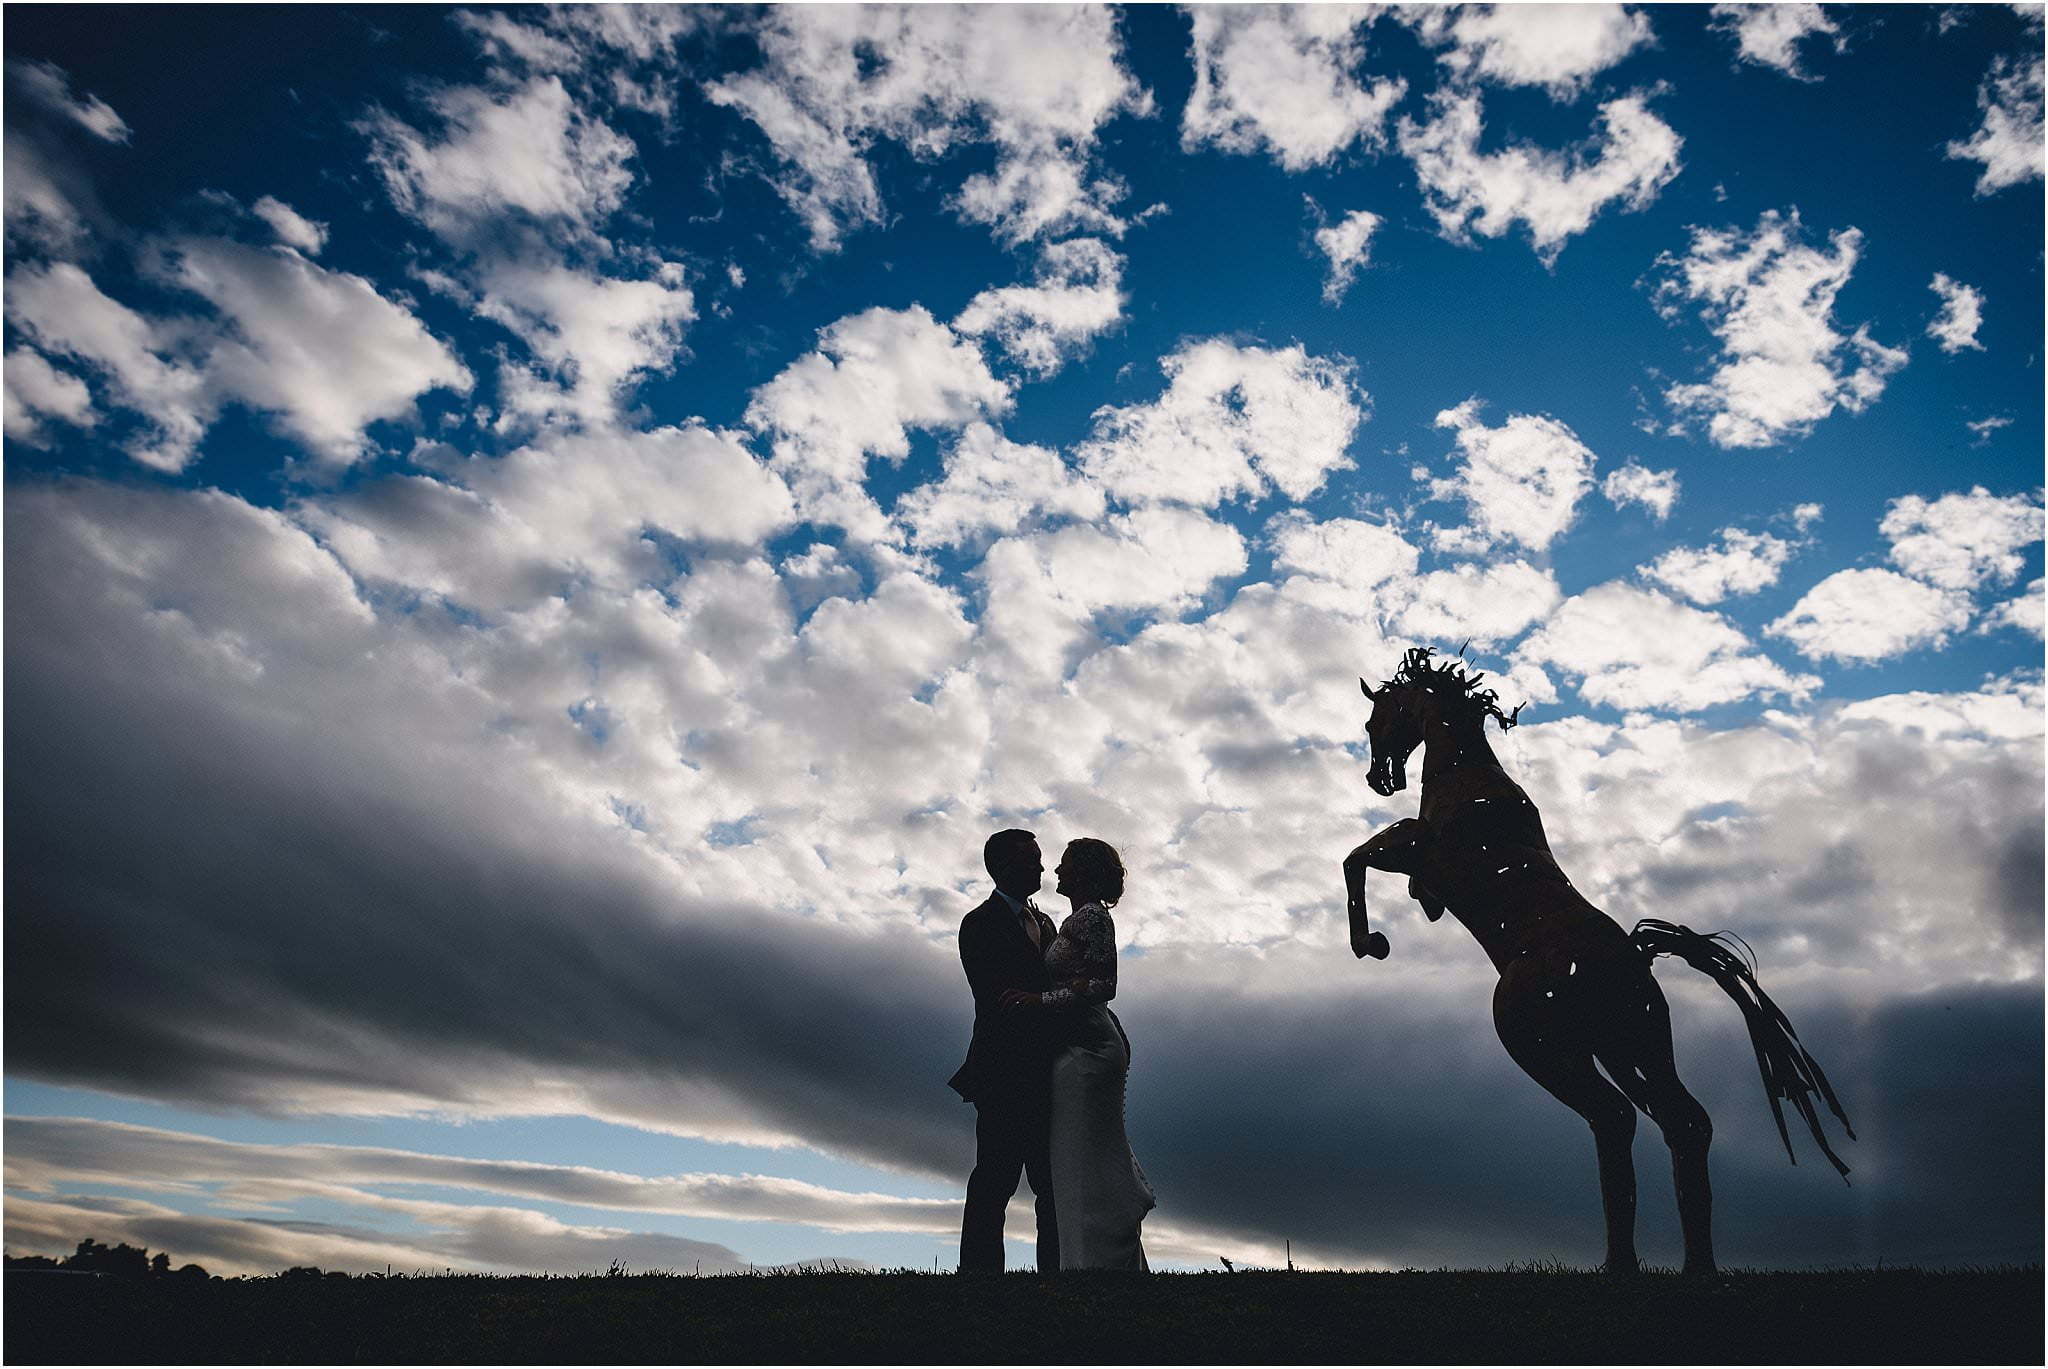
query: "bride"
1100, 1196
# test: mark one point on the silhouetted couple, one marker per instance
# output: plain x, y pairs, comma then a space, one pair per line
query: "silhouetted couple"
1046, 1068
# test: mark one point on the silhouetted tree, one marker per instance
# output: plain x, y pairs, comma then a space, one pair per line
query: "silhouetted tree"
123, 1260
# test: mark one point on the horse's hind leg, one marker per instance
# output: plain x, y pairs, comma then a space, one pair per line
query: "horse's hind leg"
1530, 1027
1640, 1061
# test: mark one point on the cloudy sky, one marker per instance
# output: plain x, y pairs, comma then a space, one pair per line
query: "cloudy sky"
538, 544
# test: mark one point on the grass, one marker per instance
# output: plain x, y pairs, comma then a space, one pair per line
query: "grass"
1547, 1315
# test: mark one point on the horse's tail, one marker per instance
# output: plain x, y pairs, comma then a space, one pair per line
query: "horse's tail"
1789, 1072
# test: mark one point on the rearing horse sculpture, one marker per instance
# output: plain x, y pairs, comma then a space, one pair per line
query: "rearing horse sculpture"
1574, 988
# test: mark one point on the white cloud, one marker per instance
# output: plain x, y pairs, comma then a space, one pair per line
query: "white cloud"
1961, 541
292, 228
520, 178
2023, 612
1232, 421
992, 483
1349, 552
1962, 313
819, 573
1770, 300
35, 390
1743, 563
1045, 590
1805, 516
1037, 82
1558, 47
624, 53
591, 336
528, 154
318, 349
321, 349
1982, 428
47, 84
1555, 194
499, 534
1770, 34
1078, 296
1283, 78
1488, 604
1636, 648
1521, 482
873, 377
2008, 142
60, 308
1631, 483
1869, 615
1348, 245
1038, 195
39, 206
1157, 559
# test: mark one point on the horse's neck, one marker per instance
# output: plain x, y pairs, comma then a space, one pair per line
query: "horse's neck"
1450, 745
1470, 795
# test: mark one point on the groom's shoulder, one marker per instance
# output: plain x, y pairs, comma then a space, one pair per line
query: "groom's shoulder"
980, 912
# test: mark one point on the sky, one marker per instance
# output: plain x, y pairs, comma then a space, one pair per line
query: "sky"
539, 543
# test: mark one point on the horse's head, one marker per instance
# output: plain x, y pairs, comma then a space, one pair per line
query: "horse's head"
1420, 696
1395, 729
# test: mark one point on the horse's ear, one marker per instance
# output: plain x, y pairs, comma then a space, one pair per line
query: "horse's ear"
1366, 689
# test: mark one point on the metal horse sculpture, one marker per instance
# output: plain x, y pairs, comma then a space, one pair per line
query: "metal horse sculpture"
1574, 988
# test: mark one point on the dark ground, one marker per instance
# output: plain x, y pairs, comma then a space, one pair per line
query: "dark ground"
1864, 1316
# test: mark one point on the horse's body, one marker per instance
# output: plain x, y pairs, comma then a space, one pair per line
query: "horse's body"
1575, 994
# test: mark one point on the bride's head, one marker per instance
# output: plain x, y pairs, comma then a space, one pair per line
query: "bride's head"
1091, 872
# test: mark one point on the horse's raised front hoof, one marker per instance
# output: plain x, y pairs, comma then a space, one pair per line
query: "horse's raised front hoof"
1375, 946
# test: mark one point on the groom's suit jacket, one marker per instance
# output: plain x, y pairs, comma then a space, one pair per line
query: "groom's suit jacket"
1010, 1057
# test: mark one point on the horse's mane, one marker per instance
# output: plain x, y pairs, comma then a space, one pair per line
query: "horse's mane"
1451, 682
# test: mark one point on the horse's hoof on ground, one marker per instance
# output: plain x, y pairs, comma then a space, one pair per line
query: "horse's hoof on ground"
1622, 1269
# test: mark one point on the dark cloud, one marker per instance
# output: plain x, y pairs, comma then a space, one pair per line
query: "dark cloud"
2017, 861
1368, 1125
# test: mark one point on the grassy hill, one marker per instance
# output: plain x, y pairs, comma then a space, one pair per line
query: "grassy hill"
1860, 1316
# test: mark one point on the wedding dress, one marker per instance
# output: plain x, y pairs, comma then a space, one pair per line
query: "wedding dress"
1100, 1195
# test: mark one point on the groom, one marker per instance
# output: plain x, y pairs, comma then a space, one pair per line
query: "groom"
1008, 1074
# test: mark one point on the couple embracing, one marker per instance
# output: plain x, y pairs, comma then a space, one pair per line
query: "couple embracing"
1046, 1068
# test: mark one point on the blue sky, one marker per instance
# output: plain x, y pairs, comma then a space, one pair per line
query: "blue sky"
540, 541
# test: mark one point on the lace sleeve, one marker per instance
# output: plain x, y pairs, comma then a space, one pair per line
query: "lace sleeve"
1083, 960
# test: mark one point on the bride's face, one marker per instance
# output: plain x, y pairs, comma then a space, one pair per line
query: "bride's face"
1060, 874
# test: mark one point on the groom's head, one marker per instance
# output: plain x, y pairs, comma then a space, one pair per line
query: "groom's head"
1013, 862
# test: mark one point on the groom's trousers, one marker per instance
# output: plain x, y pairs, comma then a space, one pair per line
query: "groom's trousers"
1011, 1136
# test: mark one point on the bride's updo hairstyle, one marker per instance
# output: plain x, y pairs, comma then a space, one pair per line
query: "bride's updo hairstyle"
1097, 868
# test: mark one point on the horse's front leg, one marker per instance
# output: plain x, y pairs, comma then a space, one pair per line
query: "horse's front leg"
1399, 849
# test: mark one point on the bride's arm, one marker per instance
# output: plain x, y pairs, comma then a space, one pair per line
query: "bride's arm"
1091, 978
